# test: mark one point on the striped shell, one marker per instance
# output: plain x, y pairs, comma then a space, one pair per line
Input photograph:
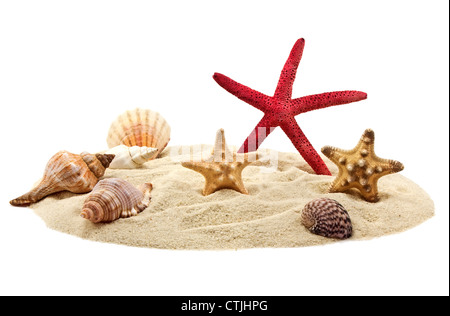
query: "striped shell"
327, 218
67, 172
115, 198
139, 127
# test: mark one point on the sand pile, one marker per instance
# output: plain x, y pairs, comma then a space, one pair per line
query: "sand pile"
180, 217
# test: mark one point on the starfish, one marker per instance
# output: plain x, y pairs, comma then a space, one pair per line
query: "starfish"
281, 109
223, 169
360, 168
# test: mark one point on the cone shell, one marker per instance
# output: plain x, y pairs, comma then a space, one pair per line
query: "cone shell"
139, 127
327, 218
67, 172
115, 198
130, 157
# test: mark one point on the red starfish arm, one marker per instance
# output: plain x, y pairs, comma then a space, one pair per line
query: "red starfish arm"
304, 147
257, 136
287, 77
323, 100
252, 97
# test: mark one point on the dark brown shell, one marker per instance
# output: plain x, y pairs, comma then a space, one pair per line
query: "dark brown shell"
327, 218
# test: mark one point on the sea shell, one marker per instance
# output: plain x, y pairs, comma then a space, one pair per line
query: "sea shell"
328, 218
67, 172
115, 198
139, 127
130, 157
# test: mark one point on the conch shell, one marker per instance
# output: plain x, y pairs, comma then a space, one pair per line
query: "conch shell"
130, 157
139, 127
67, 172
115, 198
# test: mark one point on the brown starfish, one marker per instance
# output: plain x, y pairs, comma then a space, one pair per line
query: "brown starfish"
223, 169
360, 168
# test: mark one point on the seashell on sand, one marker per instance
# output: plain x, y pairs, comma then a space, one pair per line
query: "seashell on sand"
139, 127
115, 198
327, 218
67, 172
130, 157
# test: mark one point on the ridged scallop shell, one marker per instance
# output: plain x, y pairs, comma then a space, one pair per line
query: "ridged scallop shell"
139, 127
328, 218
115, 198
130, 157
67, 172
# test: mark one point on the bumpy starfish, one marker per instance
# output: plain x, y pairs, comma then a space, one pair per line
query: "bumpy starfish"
223, 169
360, 168
281, 109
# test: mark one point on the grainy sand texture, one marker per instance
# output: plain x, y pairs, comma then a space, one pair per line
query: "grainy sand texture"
180, 217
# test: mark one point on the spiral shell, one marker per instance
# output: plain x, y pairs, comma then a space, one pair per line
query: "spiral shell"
130, 157
67, 172
139, 127
328, 218
115, 198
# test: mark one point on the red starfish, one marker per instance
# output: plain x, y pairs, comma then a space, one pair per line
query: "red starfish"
281, 109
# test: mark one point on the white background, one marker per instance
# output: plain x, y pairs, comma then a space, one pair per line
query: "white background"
68, 68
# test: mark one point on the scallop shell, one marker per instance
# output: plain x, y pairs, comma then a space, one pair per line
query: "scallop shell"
67, 172
130, 157
328, 218
115, 198
139, 127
